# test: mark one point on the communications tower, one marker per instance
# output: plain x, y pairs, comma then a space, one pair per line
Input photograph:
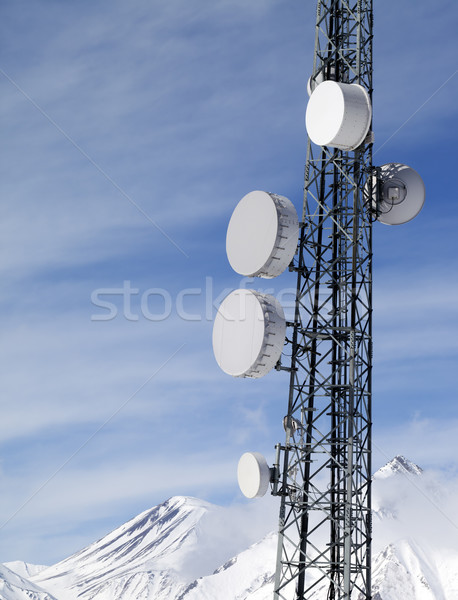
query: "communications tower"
322, 471
325, 462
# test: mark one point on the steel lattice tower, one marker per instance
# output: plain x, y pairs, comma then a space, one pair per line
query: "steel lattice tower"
323, 471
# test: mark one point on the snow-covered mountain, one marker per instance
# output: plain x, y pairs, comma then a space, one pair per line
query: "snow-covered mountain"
399, 465
143, 558
158, 554
15, 587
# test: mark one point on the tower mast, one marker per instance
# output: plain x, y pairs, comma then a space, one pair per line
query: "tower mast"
323, 470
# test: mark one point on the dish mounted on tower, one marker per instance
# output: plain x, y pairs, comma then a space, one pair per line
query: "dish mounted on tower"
262, 235
338, 115
248, 333
398, 194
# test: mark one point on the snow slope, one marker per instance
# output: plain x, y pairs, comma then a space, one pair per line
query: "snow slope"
403, 570
15, 587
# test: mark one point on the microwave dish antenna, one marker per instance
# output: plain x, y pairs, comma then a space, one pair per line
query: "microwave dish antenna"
253, 475
338, 115
248, 333
262, 235
398, 194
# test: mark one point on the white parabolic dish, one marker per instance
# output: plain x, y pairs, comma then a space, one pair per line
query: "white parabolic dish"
248, 333
338, 115
402, 194
253, 474
262, 235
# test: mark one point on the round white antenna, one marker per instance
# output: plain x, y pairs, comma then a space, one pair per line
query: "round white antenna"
401, 194
338, 115
248, 333
253, 475
262, 235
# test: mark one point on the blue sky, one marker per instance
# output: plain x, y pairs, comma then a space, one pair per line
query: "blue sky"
131, 130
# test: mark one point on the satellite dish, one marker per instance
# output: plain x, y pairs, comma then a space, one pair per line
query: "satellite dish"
248, 333
401, 194
253, 475
338, 115
262, 235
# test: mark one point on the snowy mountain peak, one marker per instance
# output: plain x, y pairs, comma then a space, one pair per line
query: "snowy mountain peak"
142, 553
165, 517
399, 465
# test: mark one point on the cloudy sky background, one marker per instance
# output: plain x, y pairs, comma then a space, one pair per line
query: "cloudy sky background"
130, 132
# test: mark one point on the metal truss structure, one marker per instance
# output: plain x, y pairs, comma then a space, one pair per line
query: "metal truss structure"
323, 471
